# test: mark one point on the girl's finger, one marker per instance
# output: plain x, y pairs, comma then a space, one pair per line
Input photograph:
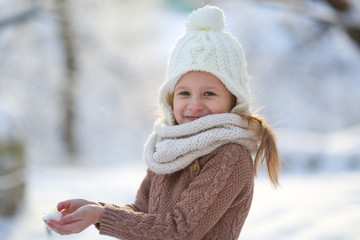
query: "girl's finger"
69, 218
57, 229
64, 229
63, 205
64, 212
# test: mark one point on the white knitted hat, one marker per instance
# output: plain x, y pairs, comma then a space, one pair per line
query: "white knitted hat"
206, 47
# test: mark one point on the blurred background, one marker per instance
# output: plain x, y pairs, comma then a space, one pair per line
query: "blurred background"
78, 88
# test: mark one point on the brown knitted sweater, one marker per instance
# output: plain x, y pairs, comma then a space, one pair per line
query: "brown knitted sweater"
210, 199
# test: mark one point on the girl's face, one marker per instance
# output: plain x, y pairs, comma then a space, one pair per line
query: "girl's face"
198, 94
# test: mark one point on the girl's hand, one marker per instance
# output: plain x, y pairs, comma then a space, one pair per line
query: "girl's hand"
78, 215
70, 206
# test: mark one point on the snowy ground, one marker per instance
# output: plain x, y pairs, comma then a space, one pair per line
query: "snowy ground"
321, 206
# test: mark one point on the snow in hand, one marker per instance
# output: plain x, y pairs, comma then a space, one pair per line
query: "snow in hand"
53, 215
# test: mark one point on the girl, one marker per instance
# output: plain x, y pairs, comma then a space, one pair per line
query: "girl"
200, 180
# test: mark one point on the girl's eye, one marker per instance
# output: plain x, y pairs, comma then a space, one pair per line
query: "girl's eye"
184, 93
208, 94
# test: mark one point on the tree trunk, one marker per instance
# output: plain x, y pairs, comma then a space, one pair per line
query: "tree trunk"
67, 41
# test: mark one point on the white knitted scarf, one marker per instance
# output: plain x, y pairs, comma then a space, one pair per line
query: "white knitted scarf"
172, 148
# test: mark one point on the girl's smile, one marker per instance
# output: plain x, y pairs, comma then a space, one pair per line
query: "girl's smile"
198, 94
191, 118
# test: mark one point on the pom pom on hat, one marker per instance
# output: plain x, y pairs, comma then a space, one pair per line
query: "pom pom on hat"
206, 47
208, 18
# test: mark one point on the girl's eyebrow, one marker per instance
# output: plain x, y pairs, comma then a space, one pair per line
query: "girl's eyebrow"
179, 88
211, 88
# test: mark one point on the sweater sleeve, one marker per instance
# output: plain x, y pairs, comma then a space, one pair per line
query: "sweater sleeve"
226, 176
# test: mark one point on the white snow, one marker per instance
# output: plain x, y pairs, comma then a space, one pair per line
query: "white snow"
319, 206
344, 141
53, 215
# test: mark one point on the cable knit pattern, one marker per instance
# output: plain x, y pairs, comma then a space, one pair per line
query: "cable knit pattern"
209, 199
171, 148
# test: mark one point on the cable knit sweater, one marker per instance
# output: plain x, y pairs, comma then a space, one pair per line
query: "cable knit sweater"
209, 199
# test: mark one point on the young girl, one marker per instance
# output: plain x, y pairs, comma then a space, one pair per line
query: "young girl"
200, 180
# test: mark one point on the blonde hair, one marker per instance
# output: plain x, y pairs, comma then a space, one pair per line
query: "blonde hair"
267, 151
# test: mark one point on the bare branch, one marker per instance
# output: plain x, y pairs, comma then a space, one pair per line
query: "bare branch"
354, 33
340, 5
345, 15
20, 17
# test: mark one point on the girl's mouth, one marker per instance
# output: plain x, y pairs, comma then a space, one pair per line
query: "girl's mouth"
191, 118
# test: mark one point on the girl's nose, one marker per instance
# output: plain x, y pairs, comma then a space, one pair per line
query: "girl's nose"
195, 105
